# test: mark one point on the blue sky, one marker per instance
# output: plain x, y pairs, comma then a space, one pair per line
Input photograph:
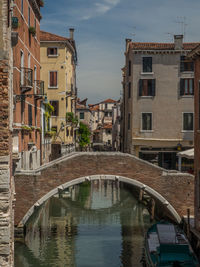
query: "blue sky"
101, 27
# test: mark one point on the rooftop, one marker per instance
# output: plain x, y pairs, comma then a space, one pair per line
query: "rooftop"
160, 46
47, 36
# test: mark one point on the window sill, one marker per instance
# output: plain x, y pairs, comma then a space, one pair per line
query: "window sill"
52, 87
187, 96
187, 72
147, 73
187, 131
52, 56
146, 96
146, 131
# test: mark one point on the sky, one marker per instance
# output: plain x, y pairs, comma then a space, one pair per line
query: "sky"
101, 27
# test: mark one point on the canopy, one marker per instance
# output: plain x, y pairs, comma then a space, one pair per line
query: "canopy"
189, 154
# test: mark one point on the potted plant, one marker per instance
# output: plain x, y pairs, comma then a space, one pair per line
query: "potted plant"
32, 30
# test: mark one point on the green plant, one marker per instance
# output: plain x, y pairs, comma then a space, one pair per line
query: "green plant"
50, 133
83, 135
39, 129
48, 111
26, 128
71, 118
32, 30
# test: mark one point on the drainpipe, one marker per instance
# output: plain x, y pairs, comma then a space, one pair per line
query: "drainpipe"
179, 163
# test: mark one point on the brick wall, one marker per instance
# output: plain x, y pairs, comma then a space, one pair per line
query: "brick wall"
6, 184
177, 189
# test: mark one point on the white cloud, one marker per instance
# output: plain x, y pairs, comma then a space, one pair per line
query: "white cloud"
98, 9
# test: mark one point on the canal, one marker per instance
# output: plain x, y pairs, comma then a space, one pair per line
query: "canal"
98, 223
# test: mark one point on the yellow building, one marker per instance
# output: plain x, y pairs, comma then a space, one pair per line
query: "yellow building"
58, 70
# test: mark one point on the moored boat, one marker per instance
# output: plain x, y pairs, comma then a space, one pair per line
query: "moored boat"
166, 245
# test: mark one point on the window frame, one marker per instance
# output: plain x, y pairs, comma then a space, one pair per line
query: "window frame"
151, 92
143, 69
49, 86
183, 89
186, 62
57, 110
185, 130
82, 113
52, 55
142, 128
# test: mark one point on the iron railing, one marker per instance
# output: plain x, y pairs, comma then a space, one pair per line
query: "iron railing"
39, 87
26, 81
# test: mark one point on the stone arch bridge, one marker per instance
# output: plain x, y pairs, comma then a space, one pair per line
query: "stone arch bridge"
173, 190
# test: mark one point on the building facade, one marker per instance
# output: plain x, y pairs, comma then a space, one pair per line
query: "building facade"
58, 62
6, 116
195, 56
158, 109
27, 86
116, 121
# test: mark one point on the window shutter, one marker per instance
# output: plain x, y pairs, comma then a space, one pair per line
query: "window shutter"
51, 78
192, 86
182, 63
140, 87
181, 87
153, 87
55, 78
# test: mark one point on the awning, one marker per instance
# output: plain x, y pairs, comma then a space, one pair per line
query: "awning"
189, 154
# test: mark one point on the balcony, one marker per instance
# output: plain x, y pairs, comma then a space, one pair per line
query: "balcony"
26, 81
38, 88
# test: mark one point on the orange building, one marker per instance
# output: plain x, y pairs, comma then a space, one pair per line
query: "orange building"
28, 89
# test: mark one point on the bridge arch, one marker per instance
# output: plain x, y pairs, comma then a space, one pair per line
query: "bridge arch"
150, 191
174, 189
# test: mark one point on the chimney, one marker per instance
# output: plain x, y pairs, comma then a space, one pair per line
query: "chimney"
127, 41
178, 42
71, 31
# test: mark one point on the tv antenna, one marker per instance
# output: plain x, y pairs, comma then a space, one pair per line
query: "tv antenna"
182, 21
134, 32
170, 36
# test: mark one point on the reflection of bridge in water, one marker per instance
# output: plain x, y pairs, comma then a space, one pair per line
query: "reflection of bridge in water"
74, 211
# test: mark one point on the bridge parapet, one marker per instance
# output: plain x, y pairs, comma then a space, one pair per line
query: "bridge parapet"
32, 187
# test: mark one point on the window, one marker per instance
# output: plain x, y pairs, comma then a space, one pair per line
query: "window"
147, 64
82, 115
129, 90
29, 115
147, 87
35, 106
146, 121
186, 86
55, 104
53, 79
186, 64
106, 106
188, 122
52, 51
129, 68
22, 67
35, 24
67, 132
129, 121
29, 16
22, 6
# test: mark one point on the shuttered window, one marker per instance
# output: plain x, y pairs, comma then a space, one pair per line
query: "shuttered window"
53, 79
147, 87
129, 90
55, 105
186, 86
52, 51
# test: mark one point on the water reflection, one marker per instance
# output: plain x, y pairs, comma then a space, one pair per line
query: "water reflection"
97, 224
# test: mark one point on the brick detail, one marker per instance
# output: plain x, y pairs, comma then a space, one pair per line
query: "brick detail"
177, 189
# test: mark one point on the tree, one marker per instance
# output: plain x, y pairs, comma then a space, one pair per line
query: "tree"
83, 135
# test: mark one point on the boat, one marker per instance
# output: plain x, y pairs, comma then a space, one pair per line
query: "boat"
166, 245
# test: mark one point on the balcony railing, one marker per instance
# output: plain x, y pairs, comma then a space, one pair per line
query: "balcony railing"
26, 81
39, 87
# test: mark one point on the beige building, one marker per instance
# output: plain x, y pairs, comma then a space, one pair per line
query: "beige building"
158, 103
58, 60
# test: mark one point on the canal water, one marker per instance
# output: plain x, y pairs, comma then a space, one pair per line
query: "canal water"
94, 224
